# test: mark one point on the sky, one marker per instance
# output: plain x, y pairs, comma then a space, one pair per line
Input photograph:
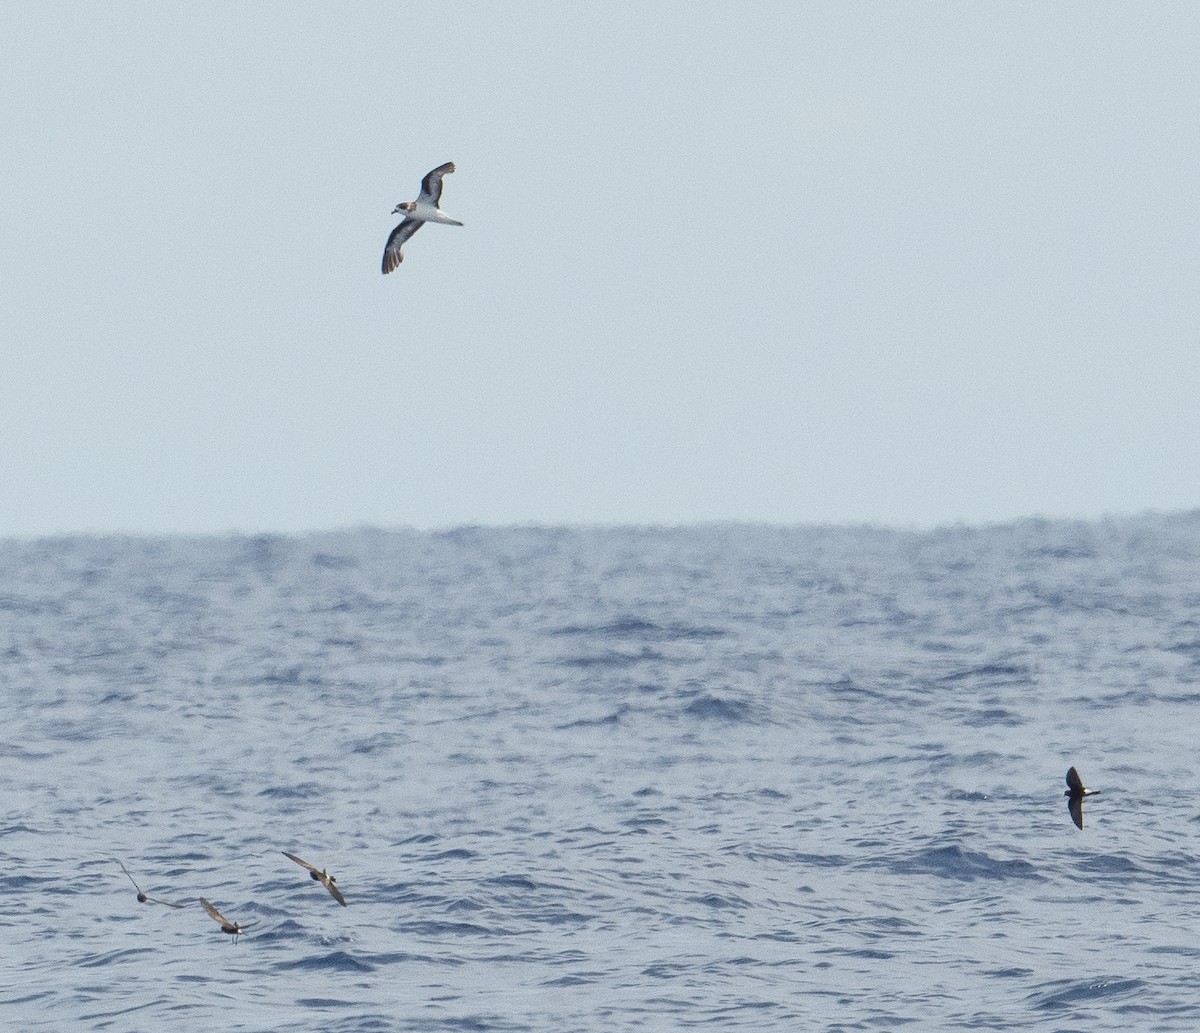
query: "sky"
907, 264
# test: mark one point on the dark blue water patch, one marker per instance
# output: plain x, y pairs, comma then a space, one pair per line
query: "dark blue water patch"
416, 838
1190, 648
636, 627
375, 743
29, 607
474, 1024
709, 707
11, 1001
1070, 994
1109, 864
610, 658
337, 961
848, 689
112, 957
303, 790
720, 902
324, 1003
1010, 973
361, 1024
871, 953
666, 970
1185, 952
435, 930
644, 822
521, 882
563, 981
990, 674
453, 854
464, 904
993, 717
606, 721
953, 862
294, 675
330, 561
289, 928
797, 858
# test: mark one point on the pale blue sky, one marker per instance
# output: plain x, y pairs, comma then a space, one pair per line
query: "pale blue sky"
907, 263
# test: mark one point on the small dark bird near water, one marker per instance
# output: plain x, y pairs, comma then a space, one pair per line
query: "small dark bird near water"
232, 928
321, 875
1075, 793
142, 897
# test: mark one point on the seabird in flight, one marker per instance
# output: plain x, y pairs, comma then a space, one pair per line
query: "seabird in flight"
426, 208
233, 928
1076, 793
142, 898
320, 874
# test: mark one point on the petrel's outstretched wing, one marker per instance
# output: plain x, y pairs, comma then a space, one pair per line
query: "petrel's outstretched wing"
1075, 806
301, 862
1074, 782
322, 876
215, 914
392, 255
142, 897
431, 185
327, 882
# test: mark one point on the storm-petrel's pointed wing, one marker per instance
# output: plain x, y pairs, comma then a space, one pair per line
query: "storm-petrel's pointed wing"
1075, 806
141, 896
322, 876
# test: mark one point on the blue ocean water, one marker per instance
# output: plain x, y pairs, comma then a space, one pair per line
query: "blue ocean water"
723, 777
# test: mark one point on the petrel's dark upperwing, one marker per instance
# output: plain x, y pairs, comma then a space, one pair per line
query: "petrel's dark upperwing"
431, 185
1075, 806
392, 255
214, 914
300, 861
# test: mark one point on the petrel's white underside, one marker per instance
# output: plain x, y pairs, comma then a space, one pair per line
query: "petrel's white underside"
426, 208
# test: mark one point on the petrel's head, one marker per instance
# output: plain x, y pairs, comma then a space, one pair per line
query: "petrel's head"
404, 206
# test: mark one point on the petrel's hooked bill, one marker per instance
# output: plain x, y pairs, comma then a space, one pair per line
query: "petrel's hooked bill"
1076, 792
233, 928
426, 208
142, 898
321, 875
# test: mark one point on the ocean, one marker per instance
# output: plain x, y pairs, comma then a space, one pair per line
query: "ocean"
577, 779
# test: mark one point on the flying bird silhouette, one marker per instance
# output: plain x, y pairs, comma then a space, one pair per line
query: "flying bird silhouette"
233, 928
1075, 793
321, 876
426, 208
142, 897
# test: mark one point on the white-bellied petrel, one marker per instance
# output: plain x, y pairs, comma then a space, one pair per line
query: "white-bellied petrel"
426, 208
1075, 793
233, 928
142, 897
321, 875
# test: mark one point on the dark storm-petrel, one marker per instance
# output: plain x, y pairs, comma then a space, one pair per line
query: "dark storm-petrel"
234, 929
142, 897
321, 875
1075, 793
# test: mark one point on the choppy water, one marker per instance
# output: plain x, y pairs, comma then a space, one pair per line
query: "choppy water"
718, 777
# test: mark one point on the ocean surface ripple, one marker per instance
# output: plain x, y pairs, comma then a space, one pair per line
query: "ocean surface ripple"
718, 777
